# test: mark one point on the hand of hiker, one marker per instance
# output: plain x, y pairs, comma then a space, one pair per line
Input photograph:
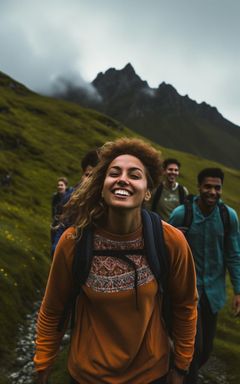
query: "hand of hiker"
174, 377
236, 305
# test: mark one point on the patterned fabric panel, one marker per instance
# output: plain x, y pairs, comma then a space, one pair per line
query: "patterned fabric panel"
110, 274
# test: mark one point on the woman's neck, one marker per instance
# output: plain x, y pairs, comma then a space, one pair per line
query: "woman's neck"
123, 221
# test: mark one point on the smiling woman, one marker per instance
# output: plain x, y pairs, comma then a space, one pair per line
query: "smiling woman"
125, 188
87, 205
116, 339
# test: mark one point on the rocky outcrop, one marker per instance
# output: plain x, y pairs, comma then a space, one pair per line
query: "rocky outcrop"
163, 115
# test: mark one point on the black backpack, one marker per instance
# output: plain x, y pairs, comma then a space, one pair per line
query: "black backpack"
188, 217
157, 196
154, 249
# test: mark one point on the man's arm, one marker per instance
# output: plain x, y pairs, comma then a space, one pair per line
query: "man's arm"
232, 258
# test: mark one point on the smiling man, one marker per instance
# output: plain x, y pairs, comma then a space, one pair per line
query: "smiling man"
169, 194
215, 249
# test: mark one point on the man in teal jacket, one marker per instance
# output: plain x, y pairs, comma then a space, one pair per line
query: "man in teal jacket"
213, 254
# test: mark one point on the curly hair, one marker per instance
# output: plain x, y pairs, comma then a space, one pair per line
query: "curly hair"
86, 205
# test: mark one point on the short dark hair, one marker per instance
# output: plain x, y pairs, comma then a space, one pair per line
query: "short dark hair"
91, 158
169, 161
210, 172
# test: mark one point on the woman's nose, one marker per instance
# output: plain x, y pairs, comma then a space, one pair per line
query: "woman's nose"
122, 180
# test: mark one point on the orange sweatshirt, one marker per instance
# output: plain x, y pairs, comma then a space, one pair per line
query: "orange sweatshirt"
112, 340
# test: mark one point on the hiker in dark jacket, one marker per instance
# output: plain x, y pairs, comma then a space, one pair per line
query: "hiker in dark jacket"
214, 250
59, 198
169, 193
119, 335
89, 161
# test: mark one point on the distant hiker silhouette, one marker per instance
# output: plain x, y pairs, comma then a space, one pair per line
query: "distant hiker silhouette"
6, 179
59, 198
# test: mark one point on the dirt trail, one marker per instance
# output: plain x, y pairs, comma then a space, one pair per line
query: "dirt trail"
214, 372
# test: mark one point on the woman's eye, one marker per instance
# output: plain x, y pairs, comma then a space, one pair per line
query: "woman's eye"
136, 177
113, 174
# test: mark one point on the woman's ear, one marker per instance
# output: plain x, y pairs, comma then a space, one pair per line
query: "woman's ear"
147, 195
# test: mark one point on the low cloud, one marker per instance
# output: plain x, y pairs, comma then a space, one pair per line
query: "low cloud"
149, 91
73, 87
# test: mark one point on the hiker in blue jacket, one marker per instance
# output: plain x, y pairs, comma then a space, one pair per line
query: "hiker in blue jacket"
89, 161
214, 250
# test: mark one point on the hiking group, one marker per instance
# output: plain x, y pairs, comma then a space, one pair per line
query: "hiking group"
142, 295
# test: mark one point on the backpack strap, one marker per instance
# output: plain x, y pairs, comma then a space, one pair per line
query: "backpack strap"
149, 243
190, 197
83, 257
80, 270
182, 194
188, 216
123, 254
81, 265
157, 256
155, 245
154, 248
156, 197
224, 213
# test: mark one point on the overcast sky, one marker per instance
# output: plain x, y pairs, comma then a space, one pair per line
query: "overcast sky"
193, 45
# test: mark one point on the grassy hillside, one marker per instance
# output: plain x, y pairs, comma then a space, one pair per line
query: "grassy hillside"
40, 140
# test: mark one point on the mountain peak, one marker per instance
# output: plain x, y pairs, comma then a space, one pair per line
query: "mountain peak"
129, 69
118, 81
164, 87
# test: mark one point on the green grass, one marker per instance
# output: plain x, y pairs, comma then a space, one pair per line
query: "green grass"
40, 140
227, 343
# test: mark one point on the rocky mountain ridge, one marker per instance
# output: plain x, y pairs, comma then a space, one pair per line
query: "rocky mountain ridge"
163, 115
